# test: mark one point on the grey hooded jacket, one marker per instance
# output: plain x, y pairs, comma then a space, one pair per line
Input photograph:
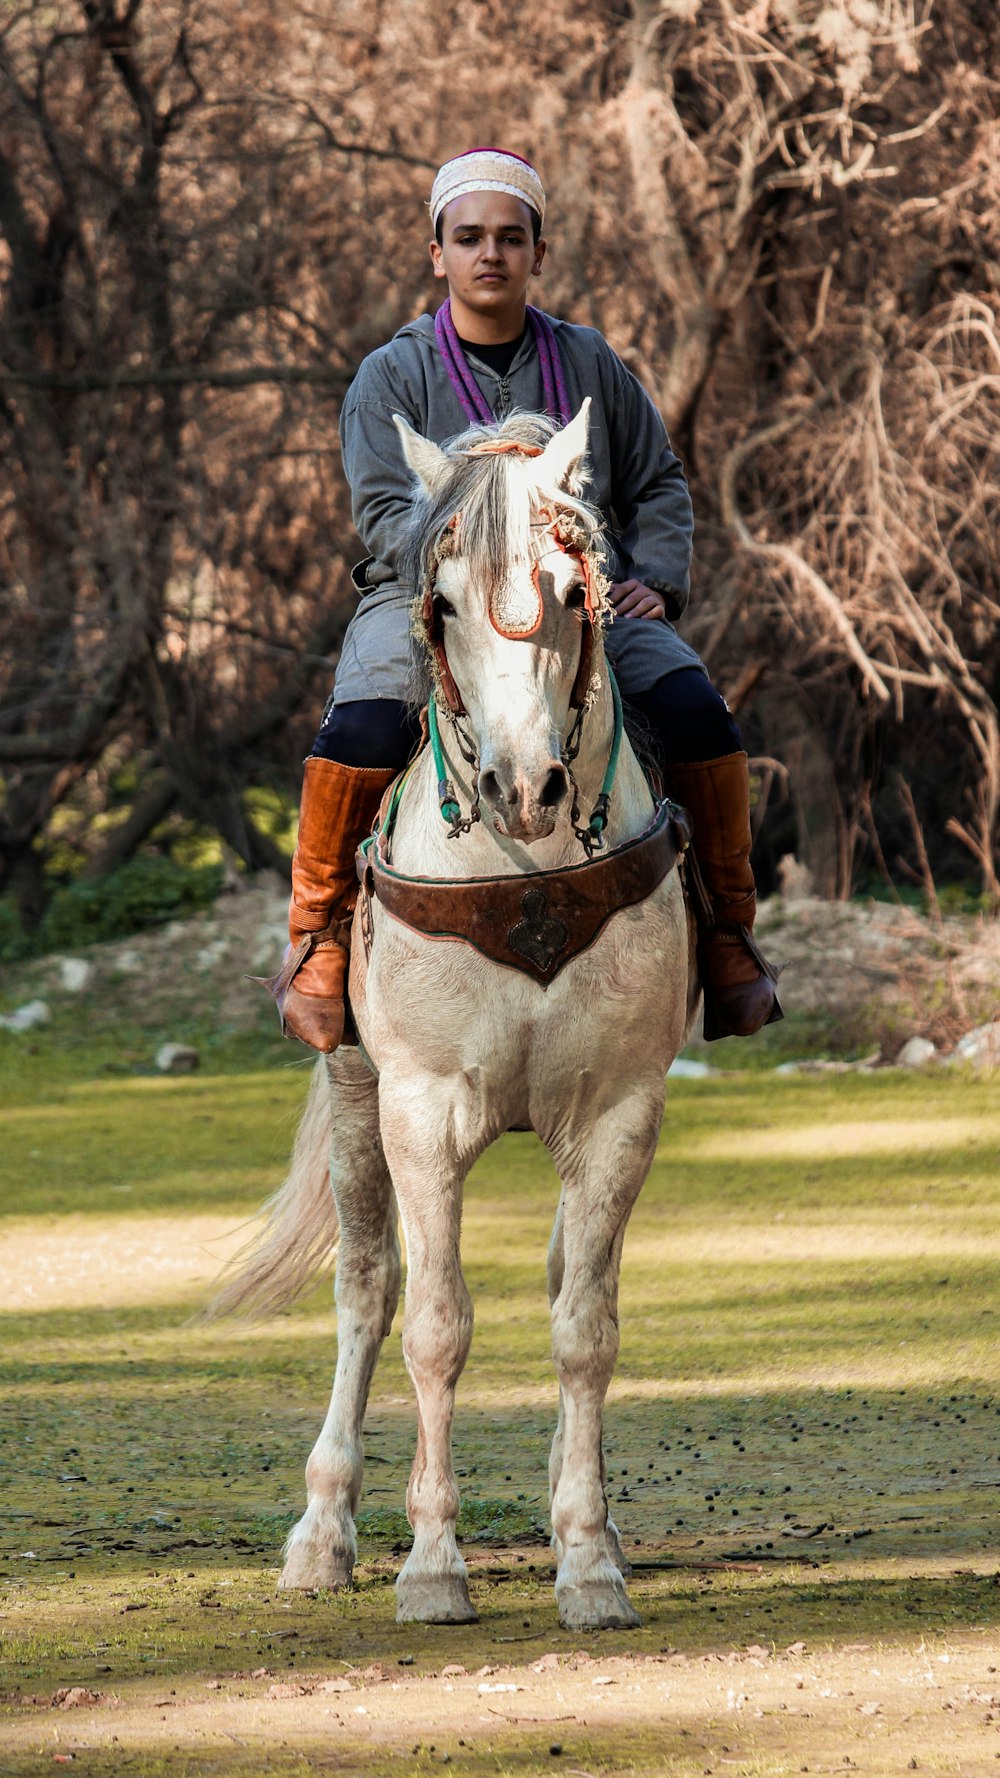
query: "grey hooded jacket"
637, 481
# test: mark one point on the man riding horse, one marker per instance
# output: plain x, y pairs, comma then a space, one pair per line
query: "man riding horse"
486, 354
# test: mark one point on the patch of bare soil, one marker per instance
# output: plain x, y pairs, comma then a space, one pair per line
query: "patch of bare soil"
849, 1708
881, 973
197, 963
129, 1260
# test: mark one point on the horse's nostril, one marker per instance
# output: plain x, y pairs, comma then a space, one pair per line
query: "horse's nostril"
554, 788
489, 786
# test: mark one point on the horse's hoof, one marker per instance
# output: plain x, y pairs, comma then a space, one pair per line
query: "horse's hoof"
308, 1569
596, 1605
434, 1599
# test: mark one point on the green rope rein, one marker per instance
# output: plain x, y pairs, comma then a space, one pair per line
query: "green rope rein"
599, 818
447, 799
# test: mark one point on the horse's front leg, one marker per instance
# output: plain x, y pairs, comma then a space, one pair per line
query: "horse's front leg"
555, 1271
603, 1174
322, 1547
428, 1166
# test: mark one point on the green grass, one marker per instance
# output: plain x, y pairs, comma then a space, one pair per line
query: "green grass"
808, 1345
87, 1043
203, 1143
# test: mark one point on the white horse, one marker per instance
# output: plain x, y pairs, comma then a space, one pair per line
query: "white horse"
457, 1047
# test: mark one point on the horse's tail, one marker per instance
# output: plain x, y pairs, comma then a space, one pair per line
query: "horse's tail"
298, 1241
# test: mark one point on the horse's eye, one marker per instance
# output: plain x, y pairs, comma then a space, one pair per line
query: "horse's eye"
443, 607
576, 597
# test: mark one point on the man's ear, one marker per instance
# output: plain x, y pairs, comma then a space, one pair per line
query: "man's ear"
426, 459
559, 463
436, 258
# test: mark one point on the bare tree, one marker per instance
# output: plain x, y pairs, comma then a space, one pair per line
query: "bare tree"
173, 527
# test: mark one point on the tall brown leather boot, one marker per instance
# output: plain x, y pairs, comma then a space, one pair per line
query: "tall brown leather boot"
339, 804
737, 981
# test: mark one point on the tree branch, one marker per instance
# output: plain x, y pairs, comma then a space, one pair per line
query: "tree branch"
172, 376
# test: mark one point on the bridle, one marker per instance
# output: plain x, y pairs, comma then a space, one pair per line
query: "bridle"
551, 539
548, 525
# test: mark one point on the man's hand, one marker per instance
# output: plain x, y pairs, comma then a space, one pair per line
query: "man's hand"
631, 599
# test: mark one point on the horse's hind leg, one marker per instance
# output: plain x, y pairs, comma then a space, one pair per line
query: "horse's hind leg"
556, 1270
321, 1549
602, 1177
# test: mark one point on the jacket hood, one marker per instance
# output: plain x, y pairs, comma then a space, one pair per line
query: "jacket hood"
420, 328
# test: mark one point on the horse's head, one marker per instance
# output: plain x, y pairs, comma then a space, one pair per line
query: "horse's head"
510, 597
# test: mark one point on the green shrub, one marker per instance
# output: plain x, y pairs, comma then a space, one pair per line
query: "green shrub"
274, 812
145, 892
965, 898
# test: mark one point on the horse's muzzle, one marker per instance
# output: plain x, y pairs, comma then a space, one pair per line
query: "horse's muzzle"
525, 805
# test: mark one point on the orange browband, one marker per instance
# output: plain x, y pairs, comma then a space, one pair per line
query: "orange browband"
503, 447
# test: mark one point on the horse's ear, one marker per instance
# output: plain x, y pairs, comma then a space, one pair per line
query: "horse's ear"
426, 459
559, 463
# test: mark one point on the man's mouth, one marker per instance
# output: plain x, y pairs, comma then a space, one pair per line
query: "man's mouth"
491, 278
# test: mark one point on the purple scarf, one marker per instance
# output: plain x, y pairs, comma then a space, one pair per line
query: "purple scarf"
473, 401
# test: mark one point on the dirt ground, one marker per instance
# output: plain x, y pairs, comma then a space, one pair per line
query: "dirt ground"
933, 1708
137, 1259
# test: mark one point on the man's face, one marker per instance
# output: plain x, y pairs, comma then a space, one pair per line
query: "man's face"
488, 253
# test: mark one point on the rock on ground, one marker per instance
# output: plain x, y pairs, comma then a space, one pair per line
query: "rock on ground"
74, 973
682, 1069
34, 1012
176, 1058
981, 1047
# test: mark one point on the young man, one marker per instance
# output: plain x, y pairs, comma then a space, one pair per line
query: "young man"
485, 354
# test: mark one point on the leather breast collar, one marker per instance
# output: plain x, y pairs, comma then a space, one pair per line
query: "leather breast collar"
535, 923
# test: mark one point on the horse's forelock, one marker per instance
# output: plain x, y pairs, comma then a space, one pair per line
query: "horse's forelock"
498, 497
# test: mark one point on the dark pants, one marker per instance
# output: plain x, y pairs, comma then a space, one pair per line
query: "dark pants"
685, 717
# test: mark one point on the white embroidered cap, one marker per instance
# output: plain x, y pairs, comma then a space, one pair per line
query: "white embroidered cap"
487, 169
